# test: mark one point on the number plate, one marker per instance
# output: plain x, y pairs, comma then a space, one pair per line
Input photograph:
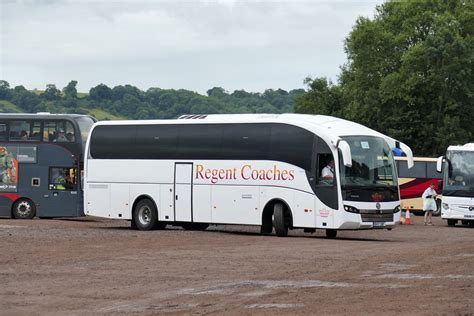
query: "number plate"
379, 224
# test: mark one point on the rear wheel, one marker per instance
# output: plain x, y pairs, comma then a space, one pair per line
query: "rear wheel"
331, 233
281, 220
145, 215
24, 209
452, 222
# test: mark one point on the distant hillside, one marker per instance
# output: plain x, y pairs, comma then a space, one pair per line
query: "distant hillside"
129, 102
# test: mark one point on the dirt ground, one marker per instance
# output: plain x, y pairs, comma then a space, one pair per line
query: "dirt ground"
89, 265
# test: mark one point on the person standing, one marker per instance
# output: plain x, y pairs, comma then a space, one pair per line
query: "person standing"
429, 203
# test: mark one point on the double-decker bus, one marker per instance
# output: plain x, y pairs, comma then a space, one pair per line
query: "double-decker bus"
41, 158
414, 181
458, 184
279, 172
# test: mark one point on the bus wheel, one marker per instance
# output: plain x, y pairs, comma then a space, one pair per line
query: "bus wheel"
281, 220
24, 209
452, 222
331, 233
438, 208
195, 226
145, 215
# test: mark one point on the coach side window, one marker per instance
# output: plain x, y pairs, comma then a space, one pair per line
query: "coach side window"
246, 141
58, 132
325, 170
3, 131
62, 178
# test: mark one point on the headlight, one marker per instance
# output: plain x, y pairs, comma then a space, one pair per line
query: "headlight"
351, 209
445, 206
396, 210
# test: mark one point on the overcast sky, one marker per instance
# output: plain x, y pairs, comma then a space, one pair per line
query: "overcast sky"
195, 45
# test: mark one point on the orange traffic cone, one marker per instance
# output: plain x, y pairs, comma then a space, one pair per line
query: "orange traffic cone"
407, 217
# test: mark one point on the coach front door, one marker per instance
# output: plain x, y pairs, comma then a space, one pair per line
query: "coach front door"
183, 195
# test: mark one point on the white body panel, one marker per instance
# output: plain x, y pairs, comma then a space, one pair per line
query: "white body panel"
224, 191
461, 208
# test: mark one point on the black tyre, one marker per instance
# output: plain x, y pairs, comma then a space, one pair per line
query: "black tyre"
466, 223
438, 208
331, 233
281, 220
24, 209
195, 226
452, 222
145, 215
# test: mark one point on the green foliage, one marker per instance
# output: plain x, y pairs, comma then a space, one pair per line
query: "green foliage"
409, 75
70, 91
122, 102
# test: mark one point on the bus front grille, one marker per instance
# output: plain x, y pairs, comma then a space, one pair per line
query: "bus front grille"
376, 215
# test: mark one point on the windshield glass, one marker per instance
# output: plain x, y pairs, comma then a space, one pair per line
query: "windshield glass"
372, 170
85, 124
459, 173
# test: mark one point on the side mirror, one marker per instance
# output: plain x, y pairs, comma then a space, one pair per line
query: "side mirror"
409, 153
346, 152
440, 185
439, 164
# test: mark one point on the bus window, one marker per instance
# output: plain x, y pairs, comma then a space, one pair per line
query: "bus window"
59, 131
325, 170
23, 130
35, 133
3, 131
418, 170
62, 178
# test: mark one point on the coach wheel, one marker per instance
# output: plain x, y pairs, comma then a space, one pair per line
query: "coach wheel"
465, 223
24, 209
281, 220
145, 215
452, 222
331, 233
437, 212
195, 226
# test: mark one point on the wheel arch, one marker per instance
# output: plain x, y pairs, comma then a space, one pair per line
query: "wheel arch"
141, 198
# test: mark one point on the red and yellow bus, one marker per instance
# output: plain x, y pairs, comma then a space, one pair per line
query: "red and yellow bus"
414, 181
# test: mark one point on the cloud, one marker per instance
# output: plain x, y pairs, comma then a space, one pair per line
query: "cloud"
183, 44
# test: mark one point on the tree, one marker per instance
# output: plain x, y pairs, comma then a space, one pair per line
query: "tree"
70, 91
100, 92
5, 92
409, 74
51, 93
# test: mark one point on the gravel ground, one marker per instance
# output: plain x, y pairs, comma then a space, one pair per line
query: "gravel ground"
83, 266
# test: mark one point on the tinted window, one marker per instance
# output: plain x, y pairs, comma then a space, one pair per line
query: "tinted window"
3, 131
113, 142
58, 132
292, 144
156, 141
431, 171
246, 141
24, 130
199, 141
418, 170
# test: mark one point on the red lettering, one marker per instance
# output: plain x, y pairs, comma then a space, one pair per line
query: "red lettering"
242, 172
283, 175
199, 169
292, 175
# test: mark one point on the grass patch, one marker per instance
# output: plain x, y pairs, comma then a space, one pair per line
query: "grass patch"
8, 107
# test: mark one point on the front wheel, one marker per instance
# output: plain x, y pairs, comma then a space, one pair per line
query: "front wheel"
437, 212
24, 209
145, 215
281, 220
331, 233
452, 222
